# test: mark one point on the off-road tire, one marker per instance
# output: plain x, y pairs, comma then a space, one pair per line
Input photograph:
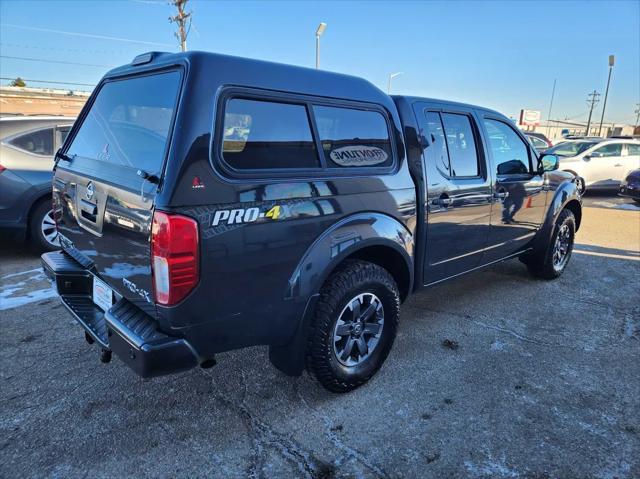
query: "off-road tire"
36, 237
352, 278
541, 264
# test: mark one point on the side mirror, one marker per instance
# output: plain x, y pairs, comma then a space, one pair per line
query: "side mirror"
587, 158
549, 162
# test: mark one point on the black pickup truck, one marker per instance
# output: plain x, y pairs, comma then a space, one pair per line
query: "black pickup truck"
207, 203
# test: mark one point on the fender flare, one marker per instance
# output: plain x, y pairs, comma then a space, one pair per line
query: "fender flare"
343, 239
566, 192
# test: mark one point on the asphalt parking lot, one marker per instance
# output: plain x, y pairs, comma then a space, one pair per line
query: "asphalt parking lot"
492, 375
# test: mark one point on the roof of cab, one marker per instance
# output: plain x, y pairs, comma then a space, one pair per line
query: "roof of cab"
413, 99
229, 70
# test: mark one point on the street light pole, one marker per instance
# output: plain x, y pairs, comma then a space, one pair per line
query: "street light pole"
606, 93
319, 32
391, 76
553, 92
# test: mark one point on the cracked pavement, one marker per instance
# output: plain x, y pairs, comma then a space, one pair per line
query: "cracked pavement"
492, 375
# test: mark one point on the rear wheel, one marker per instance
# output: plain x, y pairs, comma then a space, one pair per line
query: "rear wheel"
354, 327
552, 262
42, 228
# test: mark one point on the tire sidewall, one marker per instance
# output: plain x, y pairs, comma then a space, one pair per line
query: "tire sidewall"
566, 217
35, 228
373, 362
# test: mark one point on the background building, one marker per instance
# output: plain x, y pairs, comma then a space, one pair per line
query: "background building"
41, 101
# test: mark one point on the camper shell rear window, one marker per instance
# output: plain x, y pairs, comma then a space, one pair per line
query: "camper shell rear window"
129, 123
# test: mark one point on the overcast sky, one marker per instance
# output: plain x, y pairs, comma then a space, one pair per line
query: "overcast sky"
503, 55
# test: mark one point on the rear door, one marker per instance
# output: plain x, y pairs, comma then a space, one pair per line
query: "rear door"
519, 190
104, 204
458, 190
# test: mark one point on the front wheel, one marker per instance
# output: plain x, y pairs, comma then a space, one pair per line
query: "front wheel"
354, 327
552, 262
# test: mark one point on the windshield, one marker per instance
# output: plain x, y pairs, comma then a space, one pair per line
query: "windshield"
129, 122
571, 148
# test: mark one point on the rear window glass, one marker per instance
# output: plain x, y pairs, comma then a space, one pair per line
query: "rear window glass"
462, 147
267, 135
38, 142
353, 137
129, 122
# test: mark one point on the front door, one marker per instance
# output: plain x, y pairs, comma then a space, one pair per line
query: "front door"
605, 166
458, 191
519, 192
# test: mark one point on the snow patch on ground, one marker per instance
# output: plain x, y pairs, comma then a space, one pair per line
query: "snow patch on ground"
21, 292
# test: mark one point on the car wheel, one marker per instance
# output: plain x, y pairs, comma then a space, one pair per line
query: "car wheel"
637, 200
551, 263
42, 228
355, 324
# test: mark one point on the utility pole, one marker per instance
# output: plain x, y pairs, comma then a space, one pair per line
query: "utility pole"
553, 92
612, 60
181, 19
637, 112
592, 101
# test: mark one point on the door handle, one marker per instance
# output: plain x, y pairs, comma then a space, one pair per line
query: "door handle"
618, 164
444, 200
500, 195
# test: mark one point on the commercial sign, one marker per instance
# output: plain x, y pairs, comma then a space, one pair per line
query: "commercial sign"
530, 117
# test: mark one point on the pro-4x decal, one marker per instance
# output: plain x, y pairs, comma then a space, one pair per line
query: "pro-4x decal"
245, 215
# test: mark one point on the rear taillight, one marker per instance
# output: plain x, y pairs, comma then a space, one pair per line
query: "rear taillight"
174, 257
2, 168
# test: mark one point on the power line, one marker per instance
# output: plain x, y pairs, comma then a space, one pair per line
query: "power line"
88, 35
71, 50
56, 61
49, 81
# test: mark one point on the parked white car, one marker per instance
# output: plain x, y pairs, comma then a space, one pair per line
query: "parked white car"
598, 163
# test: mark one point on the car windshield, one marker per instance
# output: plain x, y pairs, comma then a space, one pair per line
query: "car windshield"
571, 148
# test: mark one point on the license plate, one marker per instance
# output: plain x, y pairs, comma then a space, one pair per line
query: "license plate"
102, 294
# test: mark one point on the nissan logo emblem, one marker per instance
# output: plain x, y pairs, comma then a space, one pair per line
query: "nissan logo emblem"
90, 190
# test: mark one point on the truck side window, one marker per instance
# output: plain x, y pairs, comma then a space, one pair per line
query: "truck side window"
266, 134
352, 137
461, 143
510, 153
437, 153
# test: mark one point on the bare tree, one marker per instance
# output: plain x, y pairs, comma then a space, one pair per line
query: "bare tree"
182, 19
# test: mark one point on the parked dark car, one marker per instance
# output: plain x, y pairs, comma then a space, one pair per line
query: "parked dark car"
207, 203
630, 186
27, 146
539, 141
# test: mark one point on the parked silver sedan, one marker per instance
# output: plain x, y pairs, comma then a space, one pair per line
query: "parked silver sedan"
27, 147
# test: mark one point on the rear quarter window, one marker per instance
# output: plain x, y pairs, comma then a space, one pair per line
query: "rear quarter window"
260, 135
39, 142
353, 138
